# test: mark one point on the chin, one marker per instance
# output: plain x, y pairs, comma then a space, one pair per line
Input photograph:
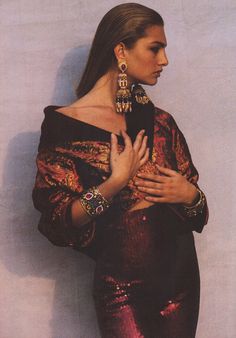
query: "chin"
151, 82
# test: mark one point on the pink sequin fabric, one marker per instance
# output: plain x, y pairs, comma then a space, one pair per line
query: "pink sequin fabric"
146, 281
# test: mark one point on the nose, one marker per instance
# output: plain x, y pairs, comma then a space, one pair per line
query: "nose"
162, 58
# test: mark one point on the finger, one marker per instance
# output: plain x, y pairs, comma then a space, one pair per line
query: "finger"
151, 191
166, 171
154, 177
145, 157
114, 143
156, 199
127, 140
143, 148
138, 140
149, 184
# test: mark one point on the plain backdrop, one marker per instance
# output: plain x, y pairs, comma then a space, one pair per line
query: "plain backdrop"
45, 290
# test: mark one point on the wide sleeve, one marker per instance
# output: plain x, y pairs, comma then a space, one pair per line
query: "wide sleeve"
186, 167
57, 185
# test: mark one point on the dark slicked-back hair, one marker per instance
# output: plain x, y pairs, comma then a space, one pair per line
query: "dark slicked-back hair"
124, 23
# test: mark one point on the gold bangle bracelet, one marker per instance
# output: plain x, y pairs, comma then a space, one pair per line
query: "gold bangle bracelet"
197, 208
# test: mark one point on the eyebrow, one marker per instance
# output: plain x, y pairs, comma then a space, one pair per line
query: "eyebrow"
162, 44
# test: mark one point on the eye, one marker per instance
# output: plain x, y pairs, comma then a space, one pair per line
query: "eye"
155, 49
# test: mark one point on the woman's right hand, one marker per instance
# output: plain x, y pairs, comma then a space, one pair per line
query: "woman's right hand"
125, 164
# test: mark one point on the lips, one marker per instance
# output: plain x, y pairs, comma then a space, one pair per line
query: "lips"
158, 73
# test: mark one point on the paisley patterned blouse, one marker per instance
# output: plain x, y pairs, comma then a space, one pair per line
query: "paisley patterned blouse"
74, 155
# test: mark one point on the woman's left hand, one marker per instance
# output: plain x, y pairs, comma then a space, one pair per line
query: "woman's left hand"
170, 187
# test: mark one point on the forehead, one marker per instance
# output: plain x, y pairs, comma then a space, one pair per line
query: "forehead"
155, 34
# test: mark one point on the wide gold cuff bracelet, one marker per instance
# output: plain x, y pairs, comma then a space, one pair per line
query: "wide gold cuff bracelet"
93, 202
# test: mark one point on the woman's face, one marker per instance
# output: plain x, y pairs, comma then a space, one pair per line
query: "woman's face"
148, 57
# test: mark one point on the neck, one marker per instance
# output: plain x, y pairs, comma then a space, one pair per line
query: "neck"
106, 88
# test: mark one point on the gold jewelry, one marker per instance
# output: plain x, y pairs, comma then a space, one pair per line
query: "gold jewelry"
123, 95
140, 94
197, 208
93, 202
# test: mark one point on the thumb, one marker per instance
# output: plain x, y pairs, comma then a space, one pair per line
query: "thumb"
114, 143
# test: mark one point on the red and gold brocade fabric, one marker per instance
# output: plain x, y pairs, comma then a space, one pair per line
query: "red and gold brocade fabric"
74, 156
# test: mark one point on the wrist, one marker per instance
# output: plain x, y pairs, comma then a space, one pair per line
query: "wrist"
111, 187
117, 182
192, 197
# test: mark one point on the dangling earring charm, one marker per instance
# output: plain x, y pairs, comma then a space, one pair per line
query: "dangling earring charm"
123, 95
140, 94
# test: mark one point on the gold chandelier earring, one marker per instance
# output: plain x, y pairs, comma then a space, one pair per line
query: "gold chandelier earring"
140, 95
123, 95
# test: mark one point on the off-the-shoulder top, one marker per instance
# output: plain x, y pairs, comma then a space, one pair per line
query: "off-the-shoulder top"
74, 155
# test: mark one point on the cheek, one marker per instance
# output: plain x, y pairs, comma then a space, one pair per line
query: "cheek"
143, 61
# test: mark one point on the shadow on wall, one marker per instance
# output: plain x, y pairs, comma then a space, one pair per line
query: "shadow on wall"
68, 75
26, 252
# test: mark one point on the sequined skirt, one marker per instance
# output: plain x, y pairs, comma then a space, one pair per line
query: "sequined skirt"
146, 282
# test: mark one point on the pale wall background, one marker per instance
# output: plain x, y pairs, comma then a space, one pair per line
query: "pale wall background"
45, 290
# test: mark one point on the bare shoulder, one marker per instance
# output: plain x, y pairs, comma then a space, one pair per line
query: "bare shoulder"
93, 112
82, 109
73, 110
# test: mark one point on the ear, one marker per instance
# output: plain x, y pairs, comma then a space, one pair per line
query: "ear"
119, 51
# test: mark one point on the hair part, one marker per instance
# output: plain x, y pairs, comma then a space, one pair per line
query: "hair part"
124, 23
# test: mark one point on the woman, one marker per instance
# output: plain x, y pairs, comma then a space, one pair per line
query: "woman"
116, 181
